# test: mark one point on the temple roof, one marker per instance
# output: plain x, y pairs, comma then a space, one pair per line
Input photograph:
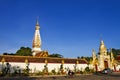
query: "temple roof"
31, 59
118, 57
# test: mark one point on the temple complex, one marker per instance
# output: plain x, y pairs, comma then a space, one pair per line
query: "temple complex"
104, 59
40, 60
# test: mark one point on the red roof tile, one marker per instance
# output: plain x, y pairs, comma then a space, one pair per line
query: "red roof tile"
118, 57
32, 59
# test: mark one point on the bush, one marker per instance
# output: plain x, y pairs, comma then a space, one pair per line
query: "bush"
88, 70
81, 72
25, 72
39, 73
53, 71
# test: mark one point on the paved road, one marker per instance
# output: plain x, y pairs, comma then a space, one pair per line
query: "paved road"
114, 76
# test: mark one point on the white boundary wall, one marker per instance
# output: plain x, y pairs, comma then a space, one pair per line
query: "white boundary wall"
118, 68
34, 67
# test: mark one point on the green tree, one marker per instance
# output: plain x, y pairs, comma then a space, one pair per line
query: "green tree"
5, 53
56, 55
24, 51
116, 52
86, 58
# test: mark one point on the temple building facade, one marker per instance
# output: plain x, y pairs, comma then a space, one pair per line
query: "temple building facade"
104, 59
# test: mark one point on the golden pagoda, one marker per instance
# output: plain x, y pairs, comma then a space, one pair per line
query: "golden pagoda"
36, 44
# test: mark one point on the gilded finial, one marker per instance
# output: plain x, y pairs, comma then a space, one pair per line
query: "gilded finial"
77, 62
62, 61
26, 61
37, 24
46, 61
3, 60
101, 40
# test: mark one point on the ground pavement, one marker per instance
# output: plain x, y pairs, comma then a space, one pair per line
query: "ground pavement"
114, 76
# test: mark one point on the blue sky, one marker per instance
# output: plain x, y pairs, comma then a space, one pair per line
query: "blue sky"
68, 27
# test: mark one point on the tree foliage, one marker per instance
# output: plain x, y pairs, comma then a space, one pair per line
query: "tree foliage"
86, 58
56, 55
116, 52
5, 53
24, 51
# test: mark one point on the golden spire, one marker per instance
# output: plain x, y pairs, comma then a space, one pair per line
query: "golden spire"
94, 54
101, 43
37, 24
102, 48
111, 53
36, 44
